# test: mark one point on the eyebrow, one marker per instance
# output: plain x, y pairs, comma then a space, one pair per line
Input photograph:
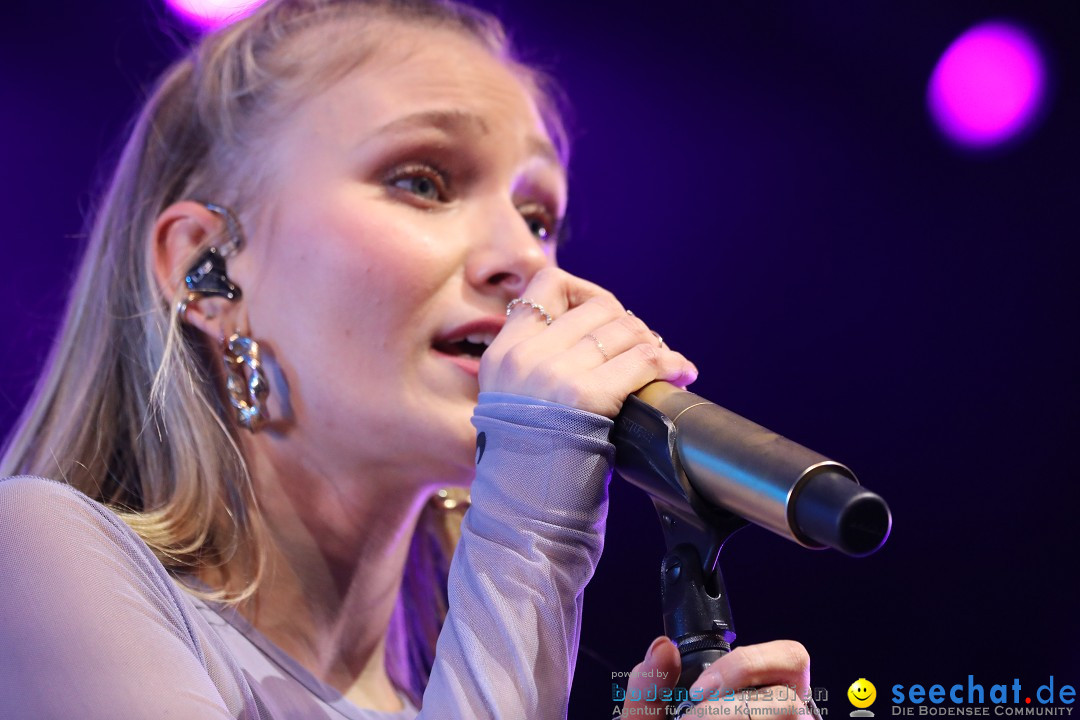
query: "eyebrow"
462, 122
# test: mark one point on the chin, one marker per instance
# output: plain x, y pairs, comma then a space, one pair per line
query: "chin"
445, 442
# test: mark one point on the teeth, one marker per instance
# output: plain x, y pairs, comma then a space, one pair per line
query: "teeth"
481, 338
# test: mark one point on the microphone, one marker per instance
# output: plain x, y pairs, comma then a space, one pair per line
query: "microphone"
703, 463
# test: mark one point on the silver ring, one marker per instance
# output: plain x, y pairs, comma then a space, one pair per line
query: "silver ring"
535, 306
599, 345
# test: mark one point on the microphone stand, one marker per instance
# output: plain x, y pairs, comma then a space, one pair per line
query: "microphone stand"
697, 614
746, 474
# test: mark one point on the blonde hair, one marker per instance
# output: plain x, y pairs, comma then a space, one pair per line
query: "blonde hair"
128, 408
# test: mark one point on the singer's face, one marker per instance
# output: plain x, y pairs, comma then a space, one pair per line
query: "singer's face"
412, 200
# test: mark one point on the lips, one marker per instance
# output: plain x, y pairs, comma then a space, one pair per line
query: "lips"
466, 343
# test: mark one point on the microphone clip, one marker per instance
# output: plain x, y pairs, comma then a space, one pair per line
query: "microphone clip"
694, 600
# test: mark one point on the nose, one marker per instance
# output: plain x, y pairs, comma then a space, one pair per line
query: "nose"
505, 255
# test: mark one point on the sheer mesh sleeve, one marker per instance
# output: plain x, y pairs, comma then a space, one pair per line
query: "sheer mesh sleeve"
530, 543
92, 626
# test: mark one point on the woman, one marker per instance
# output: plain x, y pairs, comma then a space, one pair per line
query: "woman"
333, 226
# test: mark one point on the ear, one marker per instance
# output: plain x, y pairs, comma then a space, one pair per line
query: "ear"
181, 233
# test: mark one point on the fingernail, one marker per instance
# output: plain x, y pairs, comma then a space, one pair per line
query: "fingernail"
686, 377
710, 679
655, 646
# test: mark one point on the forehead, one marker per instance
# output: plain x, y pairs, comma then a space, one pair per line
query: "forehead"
416, 75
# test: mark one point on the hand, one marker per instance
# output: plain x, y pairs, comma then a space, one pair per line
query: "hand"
658, 671
592, 356
775, 674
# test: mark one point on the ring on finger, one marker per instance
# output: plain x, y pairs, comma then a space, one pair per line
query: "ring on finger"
528, 303
599, 345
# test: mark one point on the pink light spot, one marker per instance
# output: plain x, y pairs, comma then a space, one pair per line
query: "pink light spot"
988, 85
212, 13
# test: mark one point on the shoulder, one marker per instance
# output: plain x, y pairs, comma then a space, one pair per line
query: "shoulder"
27, 493
39, 511
93, 626
54, 539
28, 502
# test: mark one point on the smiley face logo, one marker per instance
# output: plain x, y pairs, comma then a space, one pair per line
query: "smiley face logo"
862, 693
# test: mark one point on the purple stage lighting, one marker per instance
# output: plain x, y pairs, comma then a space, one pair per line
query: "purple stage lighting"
988, 85
212, 13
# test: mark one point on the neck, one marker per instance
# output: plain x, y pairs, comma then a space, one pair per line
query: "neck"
335, 560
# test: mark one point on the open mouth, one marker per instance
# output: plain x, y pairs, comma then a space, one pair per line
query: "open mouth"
469, 346
465, 344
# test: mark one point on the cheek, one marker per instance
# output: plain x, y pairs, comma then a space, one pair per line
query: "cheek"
354, 281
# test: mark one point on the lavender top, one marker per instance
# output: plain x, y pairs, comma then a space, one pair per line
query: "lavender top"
93, 626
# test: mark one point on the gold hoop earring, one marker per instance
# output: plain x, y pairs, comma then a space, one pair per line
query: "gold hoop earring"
246, 384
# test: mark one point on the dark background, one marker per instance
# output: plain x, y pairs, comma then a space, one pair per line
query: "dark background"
759, 181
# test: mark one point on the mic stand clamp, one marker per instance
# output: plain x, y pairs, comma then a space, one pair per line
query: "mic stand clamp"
697, 615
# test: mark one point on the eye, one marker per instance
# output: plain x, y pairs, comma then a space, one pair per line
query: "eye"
424, 181
542, 222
